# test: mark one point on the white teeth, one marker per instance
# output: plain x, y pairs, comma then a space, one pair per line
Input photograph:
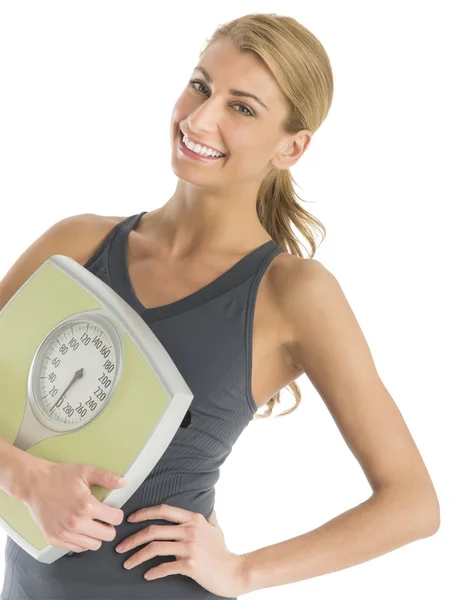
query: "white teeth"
203, 150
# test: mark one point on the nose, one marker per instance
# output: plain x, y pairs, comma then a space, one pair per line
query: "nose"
204, 118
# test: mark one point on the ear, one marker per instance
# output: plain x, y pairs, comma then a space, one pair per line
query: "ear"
292, 148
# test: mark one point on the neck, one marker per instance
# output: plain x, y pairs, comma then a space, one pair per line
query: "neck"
195, 221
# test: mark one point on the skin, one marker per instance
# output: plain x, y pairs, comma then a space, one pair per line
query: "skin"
213, 206
212, 213
210, 222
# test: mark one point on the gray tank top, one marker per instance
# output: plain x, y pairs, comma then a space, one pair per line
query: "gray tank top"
208, 335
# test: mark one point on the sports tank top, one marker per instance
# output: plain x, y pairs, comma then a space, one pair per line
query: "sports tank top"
208, 335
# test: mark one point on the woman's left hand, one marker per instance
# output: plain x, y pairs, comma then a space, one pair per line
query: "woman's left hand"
197, 544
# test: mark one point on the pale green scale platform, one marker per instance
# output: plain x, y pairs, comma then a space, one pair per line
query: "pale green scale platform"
125, 428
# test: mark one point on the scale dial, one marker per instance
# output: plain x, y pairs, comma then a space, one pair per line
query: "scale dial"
74, 372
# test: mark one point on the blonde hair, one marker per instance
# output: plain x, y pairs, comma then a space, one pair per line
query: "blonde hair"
301, 66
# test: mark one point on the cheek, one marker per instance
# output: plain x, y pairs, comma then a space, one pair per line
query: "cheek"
184, 106
251, 148
180, 110
176, 116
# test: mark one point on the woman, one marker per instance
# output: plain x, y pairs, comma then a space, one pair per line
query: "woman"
243, 314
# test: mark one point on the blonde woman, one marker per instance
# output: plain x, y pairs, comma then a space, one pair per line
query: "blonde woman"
243, 312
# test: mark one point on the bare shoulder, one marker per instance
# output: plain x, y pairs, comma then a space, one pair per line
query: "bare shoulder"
289, 269
280, 276
329, 345
75, 236
88, 231
303, 287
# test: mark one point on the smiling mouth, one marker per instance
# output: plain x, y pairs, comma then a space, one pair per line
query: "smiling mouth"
181, 138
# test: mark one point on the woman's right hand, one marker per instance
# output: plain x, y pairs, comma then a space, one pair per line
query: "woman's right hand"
61, 503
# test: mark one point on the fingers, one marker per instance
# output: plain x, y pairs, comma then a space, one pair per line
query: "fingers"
94, 529
73, 547
77, 542
85, 541
213, 518
107, 514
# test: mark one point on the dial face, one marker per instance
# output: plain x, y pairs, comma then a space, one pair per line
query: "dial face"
75, 373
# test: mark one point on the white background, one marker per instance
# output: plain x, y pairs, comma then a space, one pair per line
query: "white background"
87, 90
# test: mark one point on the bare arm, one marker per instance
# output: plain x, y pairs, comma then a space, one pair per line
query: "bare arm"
329, 346
76, 237
387, 520
16, 469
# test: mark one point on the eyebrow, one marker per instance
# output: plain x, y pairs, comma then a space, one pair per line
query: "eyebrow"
232, 91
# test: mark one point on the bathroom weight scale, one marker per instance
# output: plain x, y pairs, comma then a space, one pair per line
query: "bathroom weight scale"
83, 379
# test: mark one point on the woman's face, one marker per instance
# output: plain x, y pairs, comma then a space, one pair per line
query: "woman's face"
241, 127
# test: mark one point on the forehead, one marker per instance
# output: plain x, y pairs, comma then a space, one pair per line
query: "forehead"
229, 67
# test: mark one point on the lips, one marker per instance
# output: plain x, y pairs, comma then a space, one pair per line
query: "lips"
181, 138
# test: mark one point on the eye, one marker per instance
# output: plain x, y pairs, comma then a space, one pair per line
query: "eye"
249, 113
